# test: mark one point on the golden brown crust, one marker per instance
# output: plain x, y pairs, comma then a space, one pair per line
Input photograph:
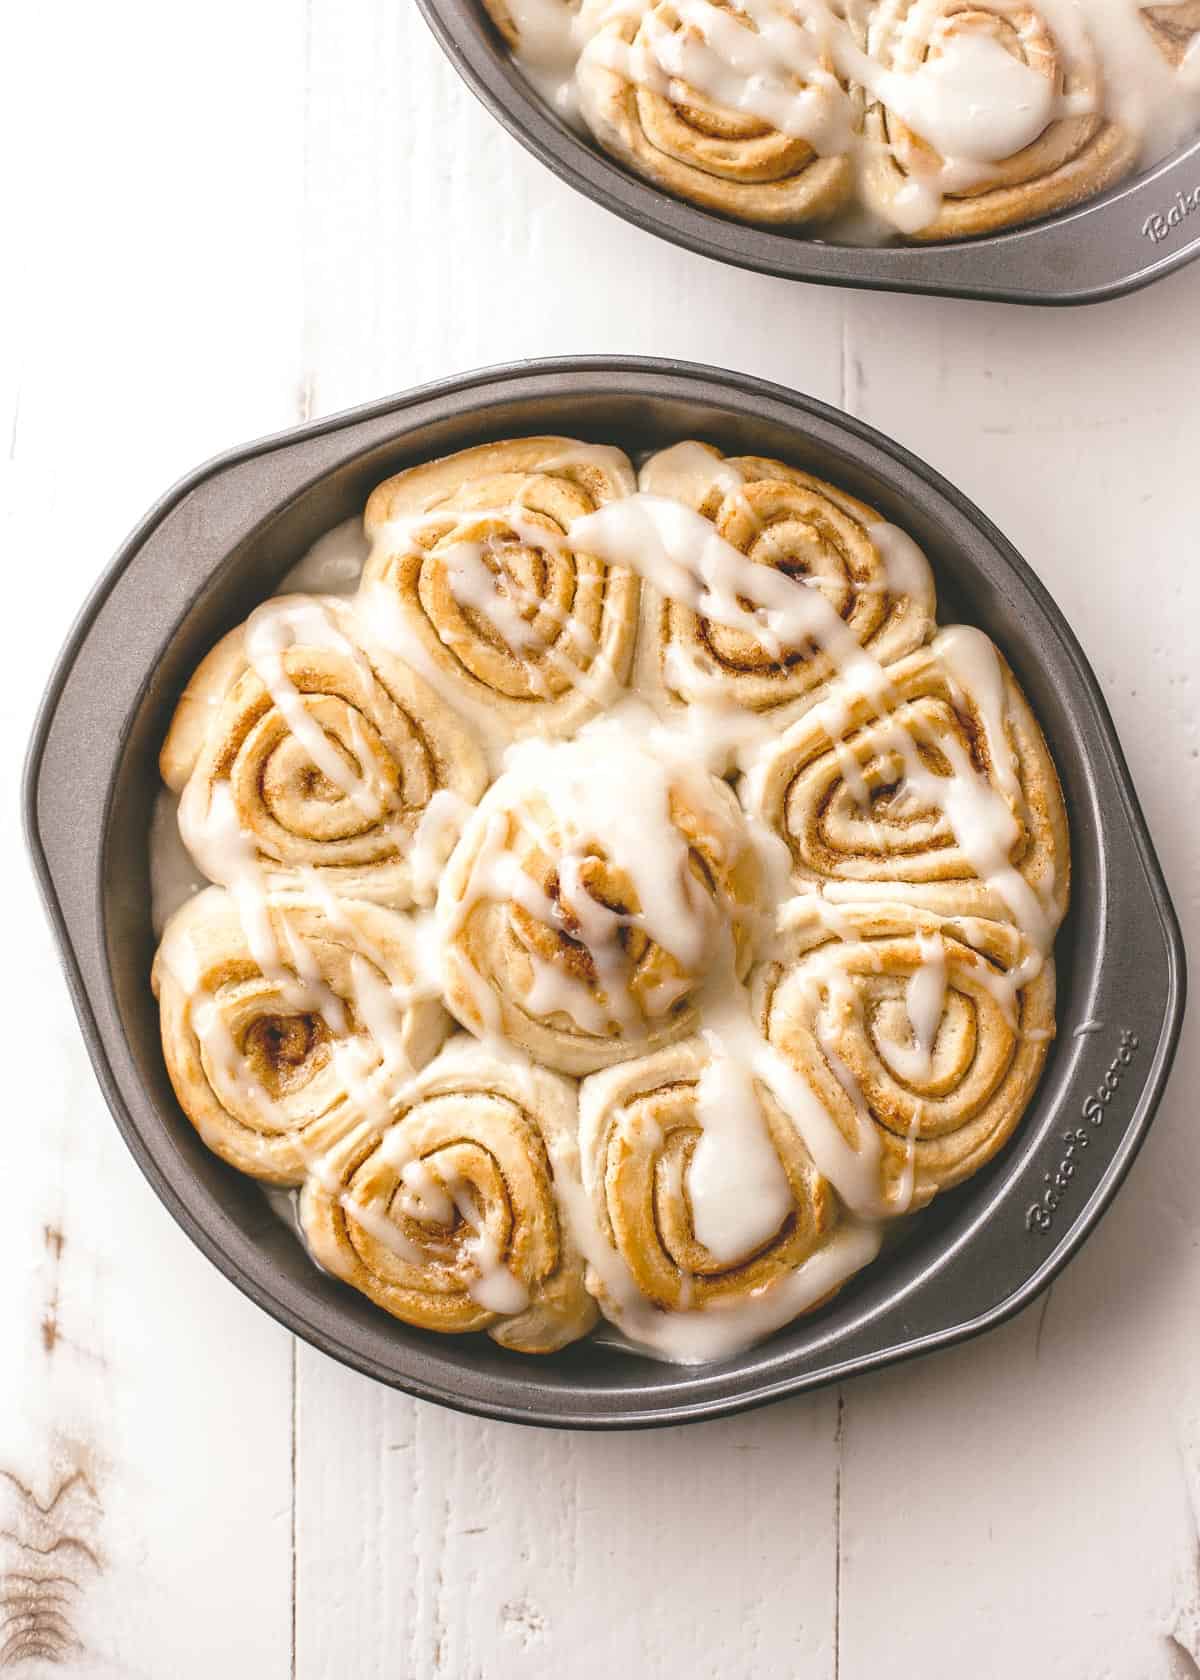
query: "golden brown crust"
508, 969
810, 789
573, 618
684, 142
639, 1127
271, 1069
791, 522
490, 1149
1073, 158
837, 1011
396, 741
298, 1026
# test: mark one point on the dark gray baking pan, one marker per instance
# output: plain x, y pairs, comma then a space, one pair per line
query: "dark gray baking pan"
221, 540
1135, 233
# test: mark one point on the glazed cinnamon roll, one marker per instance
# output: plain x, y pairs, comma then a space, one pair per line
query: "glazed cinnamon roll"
930, 119
780, 885
285, 1020
938, 790
662, 87
589, 896
700, 1184
945, 161
871, 581
301, 744
448, 1213
915, 1042
474, 580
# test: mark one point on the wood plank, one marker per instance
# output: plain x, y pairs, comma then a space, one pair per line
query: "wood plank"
431, 1544
145, 1453
1022, 1503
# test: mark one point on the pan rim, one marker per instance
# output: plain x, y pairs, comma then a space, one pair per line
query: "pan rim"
1014, 265
645, 374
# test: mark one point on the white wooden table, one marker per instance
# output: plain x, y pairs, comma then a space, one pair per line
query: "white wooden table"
232, 217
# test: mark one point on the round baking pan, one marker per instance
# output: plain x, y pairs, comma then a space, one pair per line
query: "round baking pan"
222, 539
1135, 233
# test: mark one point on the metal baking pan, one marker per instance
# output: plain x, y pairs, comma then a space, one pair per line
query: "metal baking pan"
1140, 230
222, 539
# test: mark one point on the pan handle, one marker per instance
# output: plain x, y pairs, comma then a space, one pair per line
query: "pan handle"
1096, 1103
1116, 244
1113, 244
1123, 241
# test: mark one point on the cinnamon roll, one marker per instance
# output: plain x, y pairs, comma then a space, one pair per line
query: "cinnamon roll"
473, 578
870, 581
928, 119
943, 167
285, 1020
591, 892
659, 87
780, 885
447, 1214
915, 1042
301, 744
702, 1191
939, 790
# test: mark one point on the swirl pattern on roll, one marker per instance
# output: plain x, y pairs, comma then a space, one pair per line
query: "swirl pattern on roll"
800, 530
587, 899
644, 1127
917, 1039
284, 1026
447, 1214
1072, 157
300, 744
921, 119
662, 125
473, 579
943, 793
784, 898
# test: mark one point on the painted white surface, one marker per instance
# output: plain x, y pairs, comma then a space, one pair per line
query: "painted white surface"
231, 217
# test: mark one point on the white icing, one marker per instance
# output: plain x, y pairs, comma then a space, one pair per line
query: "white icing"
973, 101
434, 838
385, 619
608, 793
333, 565
174, 877
800, 68
721, 1330
275, 627
926, 1000
685, 558
493, 1285
904, 563
737, 1187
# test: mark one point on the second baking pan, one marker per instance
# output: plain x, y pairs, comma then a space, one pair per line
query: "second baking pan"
222, 539
1137, 232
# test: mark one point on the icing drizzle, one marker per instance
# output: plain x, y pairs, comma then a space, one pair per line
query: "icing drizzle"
975, 94
609, 791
